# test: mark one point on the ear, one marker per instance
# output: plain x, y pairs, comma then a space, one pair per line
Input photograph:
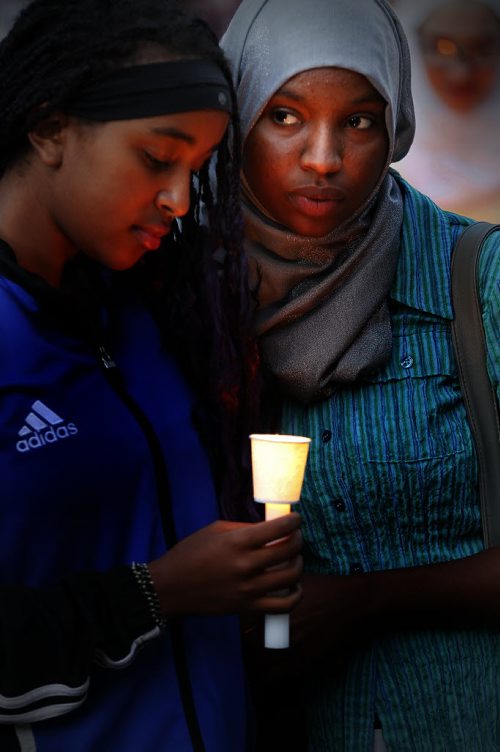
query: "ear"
47, 138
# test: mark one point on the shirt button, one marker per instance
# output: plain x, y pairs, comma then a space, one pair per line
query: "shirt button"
407, 361
326, 436
356, 568
339, 505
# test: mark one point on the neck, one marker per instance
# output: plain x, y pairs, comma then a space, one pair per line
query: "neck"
27, 226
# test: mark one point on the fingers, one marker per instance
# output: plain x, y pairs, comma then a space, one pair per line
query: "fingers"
274, 586
270, 567
262, 533
256, 547
231, 567
279, 604
281, 551
285, 576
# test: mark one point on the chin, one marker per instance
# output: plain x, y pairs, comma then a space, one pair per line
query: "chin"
125, 262
313, 231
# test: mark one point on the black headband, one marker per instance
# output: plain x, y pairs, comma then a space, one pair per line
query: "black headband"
142, 91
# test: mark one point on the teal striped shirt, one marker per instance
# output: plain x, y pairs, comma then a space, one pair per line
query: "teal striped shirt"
392, 482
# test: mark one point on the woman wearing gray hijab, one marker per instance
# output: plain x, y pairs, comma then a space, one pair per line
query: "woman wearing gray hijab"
398, 631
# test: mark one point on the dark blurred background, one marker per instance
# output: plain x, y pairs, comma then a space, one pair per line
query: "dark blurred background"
8, 9
216, 12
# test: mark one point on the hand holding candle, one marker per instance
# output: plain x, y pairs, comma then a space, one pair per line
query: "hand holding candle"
278, 466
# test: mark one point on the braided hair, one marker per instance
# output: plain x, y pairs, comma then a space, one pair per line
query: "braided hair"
198, 279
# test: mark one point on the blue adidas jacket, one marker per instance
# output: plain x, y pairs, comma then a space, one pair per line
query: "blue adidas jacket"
97, 465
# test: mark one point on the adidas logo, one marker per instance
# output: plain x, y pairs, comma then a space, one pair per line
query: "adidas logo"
43, 426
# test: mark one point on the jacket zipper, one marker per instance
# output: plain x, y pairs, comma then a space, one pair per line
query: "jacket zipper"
115, 379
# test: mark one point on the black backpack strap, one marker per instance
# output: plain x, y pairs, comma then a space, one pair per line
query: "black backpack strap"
478, 392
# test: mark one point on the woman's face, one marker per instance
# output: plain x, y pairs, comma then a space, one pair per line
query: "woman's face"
460, 44
120, 184
318, 150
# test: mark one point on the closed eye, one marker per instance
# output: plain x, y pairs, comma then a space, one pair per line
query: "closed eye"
158, 165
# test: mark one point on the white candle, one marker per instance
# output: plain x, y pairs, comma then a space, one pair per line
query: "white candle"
278, 466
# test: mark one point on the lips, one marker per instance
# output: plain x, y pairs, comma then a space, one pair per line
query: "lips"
462, 93
315, 193
315, 201
150, 236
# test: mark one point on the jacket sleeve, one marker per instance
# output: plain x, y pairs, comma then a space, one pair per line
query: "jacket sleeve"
50, 638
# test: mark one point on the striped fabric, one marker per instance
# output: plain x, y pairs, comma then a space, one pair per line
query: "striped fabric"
392, 482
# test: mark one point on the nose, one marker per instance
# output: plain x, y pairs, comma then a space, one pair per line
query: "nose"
323, 151
460, 70
174, 199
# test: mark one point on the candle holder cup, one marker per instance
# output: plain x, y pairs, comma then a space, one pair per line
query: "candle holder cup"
278, 466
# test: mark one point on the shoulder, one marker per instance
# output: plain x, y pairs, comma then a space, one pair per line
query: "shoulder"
424, 218
490, 253
431, 233
489, 271
428, 237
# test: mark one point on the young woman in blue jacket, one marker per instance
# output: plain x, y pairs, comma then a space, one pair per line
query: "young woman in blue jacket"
127, 375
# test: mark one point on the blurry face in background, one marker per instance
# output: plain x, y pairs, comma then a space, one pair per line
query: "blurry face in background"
460, 42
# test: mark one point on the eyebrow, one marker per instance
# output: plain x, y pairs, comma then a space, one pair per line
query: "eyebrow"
289, 93
363, 99
174, 133
181, 136
368, 98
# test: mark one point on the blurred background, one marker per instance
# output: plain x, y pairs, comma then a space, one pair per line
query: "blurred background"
8, 9
216, 12
455, 54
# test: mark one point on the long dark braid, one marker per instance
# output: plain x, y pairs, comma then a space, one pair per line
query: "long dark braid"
219, 318
52, 51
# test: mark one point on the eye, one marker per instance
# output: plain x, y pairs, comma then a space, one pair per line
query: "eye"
284, 117
156, 164
360, 122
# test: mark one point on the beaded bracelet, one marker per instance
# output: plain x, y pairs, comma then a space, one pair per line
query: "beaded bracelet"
143, 578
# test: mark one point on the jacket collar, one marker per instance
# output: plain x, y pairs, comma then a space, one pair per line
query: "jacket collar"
77, 304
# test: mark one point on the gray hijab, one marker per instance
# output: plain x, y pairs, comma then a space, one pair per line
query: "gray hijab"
323, 315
